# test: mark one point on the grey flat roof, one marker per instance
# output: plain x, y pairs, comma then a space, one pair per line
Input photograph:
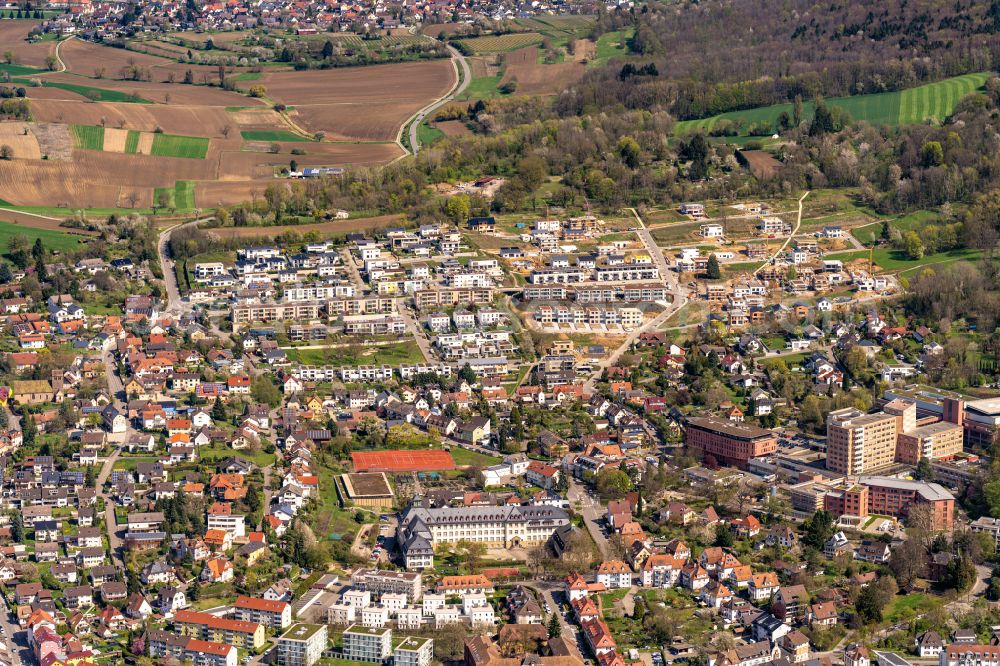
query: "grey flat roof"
929, 491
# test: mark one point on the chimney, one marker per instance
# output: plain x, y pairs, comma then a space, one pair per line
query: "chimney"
954, 411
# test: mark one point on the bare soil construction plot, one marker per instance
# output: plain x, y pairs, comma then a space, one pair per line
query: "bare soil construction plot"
21, 140
12, 37
360, 102
453, 128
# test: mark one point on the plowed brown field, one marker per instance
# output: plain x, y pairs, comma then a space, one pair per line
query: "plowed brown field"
183, 120
12, 34
360, 102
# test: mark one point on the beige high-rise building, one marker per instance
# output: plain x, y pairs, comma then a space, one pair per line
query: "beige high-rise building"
858, 443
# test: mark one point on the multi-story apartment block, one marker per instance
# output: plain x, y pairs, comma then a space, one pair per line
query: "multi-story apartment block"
389, 582
729, 443
374, 325
858, 443
271, 614
302, 645
204, 626
245, 313
414, 651
367, 644
162, 644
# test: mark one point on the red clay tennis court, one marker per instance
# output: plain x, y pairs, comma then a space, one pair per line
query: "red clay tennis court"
402, 461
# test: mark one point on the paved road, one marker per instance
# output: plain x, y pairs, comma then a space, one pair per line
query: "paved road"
175, 305
592, 511
415, 330
464, 79
798, 223
679, 300
15, 639
570, 632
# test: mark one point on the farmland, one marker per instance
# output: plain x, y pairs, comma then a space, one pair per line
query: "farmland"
933, 101
101, 142
86, 137
360, 103
502, 43
271, 135
165, 145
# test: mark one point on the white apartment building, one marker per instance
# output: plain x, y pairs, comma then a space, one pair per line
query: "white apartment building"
365, 644
302, 645
414, 651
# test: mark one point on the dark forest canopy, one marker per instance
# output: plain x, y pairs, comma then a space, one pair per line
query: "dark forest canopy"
708, 64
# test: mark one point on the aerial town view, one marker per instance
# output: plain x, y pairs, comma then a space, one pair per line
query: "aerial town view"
447, 333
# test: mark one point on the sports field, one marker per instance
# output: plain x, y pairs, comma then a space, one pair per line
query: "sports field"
433, 460
934, 101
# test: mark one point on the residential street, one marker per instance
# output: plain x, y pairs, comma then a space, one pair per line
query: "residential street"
592, 513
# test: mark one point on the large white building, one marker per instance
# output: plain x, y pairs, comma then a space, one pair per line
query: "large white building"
501, 526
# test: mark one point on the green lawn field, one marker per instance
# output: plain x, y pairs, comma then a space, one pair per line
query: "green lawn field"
271, 135
51, 239
394, 354
934, 101
18, 70
179, 197
88, 137
169, 145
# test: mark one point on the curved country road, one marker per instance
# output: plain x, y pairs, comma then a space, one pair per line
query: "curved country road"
464, 79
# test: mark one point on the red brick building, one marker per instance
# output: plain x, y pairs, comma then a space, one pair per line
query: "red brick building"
729, 443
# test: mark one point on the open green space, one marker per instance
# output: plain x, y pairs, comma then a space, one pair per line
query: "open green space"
889, 259
259, 458
271, 135
483, 87
904, 223
463, 457
170, 145
934, 101
88, 137
427, 135
178, 197
393, 354
609, 45
97, 94
53, 240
